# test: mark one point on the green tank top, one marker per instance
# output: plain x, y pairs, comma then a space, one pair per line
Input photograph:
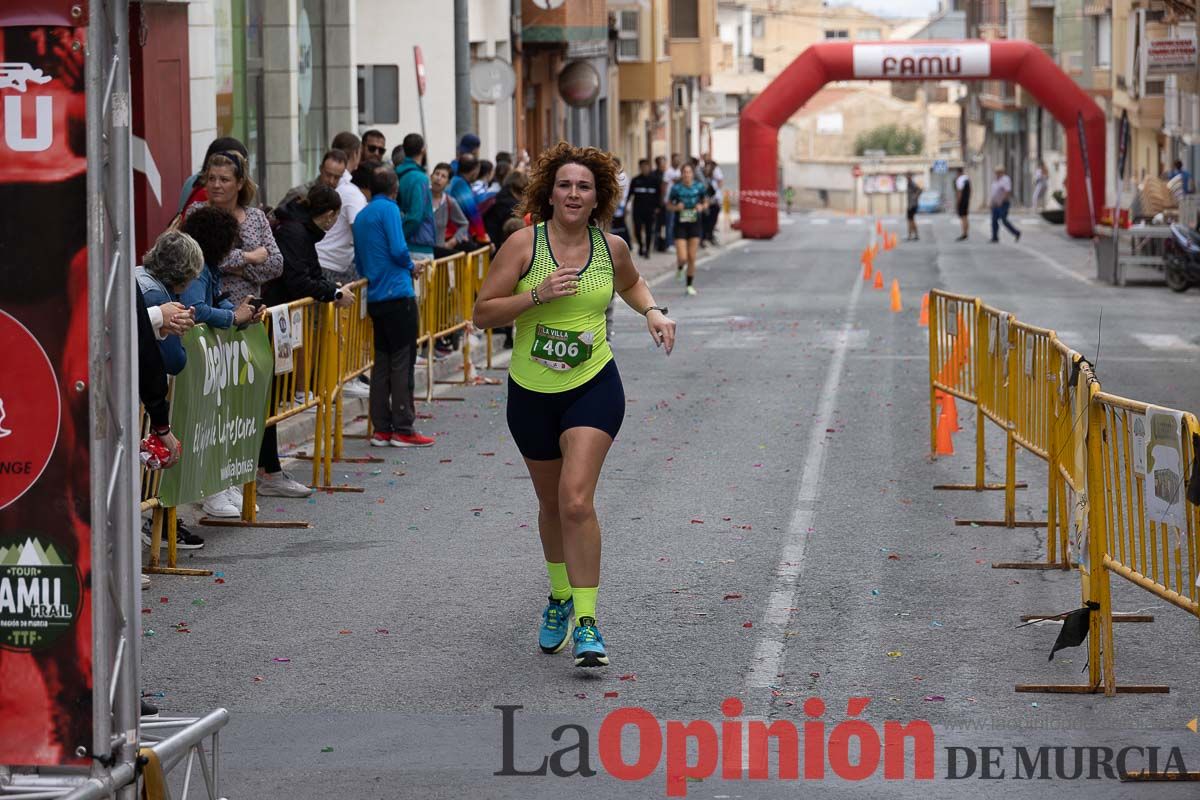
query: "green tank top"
563, 343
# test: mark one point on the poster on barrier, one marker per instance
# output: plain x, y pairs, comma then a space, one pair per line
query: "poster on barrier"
218, 412
1077, 507
297, 329
1137, 425
45, 495
281, 336
1165, 500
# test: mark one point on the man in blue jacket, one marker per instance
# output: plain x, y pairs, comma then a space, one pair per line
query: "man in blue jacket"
415, 197
381, 256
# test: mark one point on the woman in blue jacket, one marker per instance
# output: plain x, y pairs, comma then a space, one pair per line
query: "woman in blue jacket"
216, 231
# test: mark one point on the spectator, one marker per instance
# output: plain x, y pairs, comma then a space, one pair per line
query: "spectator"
715, 179
962, 187
416, 202
914, 202
483, 179
503, 168
460, 190
643, 192
172, 264
1000, 198
335, 250
302, 224
670, 178
349, 144
193, 188
256, 259
333, 167
447, 215
504, 157
216, 232
619, 226
505, 206
362, 177
152, 391
468, 145
660, 208
1041, 179
382, 257
1186, 187
374, 145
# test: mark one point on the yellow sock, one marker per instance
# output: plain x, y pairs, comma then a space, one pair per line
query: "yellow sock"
560, 585
585, 602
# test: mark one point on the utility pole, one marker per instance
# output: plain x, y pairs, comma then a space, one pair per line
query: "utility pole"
462, 70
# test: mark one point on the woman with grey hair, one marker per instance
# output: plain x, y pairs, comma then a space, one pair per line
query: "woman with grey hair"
172, 263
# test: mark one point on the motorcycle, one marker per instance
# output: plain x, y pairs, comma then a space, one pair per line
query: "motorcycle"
1182, 258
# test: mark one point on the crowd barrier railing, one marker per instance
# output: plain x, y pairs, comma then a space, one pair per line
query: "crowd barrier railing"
1117, 468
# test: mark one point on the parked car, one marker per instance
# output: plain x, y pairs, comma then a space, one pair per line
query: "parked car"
929, 203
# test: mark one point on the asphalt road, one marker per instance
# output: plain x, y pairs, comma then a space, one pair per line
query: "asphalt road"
770, 534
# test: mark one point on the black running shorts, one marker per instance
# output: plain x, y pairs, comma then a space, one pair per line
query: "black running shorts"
537, 419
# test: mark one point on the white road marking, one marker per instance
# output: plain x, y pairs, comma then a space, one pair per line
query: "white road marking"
986, 226
767, 662
855, 220
819, 220
1164, 341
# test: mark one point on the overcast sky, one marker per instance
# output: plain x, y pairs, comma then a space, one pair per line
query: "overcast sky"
892, 8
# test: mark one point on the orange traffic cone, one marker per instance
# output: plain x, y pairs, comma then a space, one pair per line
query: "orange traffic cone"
896, 304
945, 438
866, 269
878, 280
950, 409
879, 227
923, 321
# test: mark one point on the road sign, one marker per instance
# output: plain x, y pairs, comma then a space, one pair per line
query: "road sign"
941, 166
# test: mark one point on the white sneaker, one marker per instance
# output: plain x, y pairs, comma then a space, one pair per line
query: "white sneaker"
235, 492
421, 361
222, 505
355, 388
280, 484
145, 581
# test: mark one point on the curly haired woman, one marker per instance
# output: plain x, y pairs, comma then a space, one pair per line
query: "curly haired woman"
565, 398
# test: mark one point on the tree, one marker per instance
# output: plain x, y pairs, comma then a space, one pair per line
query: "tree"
892, 139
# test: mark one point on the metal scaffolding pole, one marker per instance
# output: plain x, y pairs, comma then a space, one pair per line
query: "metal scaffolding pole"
113, 408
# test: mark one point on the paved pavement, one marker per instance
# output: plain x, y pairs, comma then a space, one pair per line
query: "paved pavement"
769, 534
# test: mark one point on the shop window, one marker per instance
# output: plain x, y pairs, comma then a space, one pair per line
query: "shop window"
758, 26
378, 94
1103, 43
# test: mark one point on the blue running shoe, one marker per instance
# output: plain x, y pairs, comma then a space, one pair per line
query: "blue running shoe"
558, 619
589, 645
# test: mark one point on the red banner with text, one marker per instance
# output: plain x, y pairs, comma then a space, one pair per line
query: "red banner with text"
45, 516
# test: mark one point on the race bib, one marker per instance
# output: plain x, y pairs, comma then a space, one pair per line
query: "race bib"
687, 215
561, 350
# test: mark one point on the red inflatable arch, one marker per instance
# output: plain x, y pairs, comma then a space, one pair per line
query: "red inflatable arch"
1019, 61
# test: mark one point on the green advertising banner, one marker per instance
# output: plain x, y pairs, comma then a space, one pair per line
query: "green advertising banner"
217, 412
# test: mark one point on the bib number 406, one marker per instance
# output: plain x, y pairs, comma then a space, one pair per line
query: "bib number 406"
560, 349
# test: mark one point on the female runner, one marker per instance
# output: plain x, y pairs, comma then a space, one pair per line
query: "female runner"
565, 399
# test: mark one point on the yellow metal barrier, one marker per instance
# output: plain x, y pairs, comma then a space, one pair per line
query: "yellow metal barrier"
1117, 468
